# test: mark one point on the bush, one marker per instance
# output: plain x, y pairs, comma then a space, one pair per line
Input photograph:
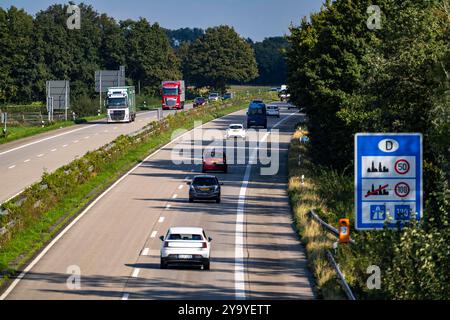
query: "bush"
84, 106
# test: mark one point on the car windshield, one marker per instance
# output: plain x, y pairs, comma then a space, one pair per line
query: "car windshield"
170, 91
185, 236
116, 102
213, 95
256, 110
205, 181
236, 126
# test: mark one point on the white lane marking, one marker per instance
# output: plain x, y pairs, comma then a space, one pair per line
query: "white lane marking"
239, 271
174, 196
76, 141
45, 139
145, 252
168, 206
135, 272
65, 145
87, 137
125, 296
105, 131
180, 187
12, 167
115, 128
40, 155
153, 234
161, 220
53, 150
28, 160
89, 207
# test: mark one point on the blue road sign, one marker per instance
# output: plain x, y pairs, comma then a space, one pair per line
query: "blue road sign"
388, 179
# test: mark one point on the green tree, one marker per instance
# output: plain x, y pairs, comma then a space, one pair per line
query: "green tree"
270, 60
16, 30
220, 56
150, 58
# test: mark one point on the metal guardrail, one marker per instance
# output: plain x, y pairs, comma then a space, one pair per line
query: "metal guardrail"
326, 226
335, 232
345, 286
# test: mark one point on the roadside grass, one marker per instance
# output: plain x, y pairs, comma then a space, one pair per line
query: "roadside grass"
32, 236
20, 132
303, 198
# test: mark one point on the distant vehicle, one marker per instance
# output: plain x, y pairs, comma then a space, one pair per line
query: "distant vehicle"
204, 187
185, 246
173, 94
214, 96
199, 101
121, 104
274, 89
257, 101
235, 131
256, 115
228, 95
214, 160
273, 110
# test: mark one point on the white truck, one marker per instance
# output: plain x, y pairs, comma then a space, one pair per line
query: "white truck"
121, 104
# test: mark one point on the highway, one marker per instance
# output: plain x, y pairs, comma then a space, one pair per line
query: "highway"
115, 242
23, 162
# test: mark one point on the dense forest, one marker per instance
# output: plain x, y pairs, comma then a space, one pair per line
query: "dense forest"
351, 78
40, 48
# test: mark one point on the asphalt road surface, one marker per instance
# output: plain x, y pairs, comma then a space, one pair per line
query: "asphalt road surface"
23, 162
115, 243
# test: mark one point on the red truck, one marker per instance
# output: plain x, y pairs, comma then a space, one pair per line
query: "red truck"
173, 94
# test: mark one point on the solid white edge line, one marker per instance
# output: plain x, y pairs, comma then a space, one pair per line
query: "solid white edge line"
145, 252
153, 234
92, 204
45, 139
161, 220
239, 267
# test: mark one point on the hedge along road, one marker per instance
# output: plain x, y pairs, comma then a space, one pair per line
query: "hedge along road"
22, 162
115, 245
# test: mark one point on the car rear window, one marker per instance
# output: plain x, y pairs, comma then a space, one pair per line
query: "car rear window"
204, 181
200, 99
177, 236
236, 127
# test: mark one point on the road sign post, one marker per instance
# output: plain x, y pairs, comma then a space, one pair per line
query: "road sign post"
388, 179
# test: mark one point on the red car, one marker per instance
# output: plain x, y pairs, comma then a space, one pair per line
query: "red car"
214, 160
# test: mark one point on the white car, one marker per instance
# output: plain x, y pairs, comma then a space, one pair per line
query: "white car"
214, 96
273, 110
185, 246
235, 130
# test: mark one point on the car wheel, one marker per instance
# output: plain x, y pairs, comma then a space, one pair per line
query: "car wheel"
206, 266
191, 199
163, 264
218, 200
225, 170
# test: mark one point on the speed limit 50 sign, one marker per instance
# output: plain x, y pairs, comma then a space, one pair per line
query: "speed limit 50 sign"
388, 179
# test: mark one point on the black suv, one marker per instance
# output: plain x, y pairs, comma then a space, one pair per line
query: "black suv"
204, 187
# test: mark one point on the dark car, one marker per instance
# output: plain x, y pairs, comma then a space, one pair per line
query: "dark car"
204, 187
214, 160
228, 95
257, 114
199, 101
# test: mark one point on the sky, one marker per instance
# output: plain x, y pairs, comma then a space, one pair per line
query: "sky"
256, 19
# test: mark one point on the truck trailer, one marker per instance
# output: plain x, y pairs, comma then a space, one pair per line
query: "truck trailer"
173, 94
121, 104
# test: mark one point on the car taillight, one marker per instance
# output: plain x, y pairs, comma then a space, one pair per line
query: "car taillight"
204, 245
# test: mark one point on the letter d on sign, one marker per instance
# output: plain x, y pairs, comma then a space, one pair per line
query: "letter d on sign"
74, 21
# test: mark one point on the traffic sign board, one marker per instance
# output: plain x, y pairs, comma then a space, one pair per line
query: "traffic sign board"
388, 179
